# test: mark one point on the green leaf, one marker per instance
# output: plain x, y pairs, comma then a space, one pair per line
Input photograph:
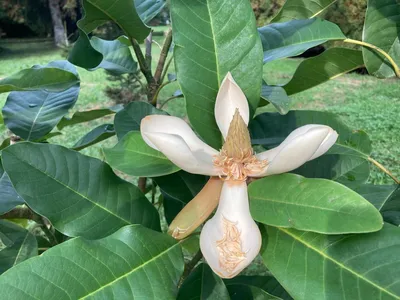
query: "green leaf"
292, 38
381, 29
318, 205
386, 198
96, 135
203, 284
123, 13
49, 78
148, 9
178, 189
130, 117
83, 54
134, 157
332, 63
9, 198
16, 245
88, 115
133, 263
213, 37
277, 96
33, 114
304, 9
315, 266
267, 283
117, 57
80, 195
241, 291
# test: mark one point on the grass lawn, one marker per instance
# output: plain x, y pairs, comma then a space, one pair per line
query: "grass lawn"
363, 102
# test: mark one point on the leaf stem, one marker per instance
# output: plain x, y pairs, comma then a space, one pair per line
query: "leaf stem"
154, 100
383, 169
169, 99
377, 49
166, 68
189, 266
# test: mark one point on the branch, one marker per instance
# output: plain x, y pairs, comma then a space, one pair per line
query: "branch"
189, 266
142, 62
142, 184
148, 43
379, 50
163, 57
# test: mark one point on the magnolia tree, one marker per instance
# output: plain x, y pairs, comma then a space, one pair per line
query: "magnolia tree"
231, 204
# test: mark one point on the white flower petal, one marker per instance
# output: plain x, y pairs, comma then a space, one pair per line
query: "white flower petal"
175, 148
231, 228
303, 144
230, 97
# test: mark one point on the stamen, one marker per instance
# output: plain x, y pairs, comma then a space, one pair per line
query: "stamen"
230, 247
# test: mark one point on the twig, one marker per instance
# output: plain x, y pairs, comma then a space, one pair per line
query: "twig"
163, 57
379, 50
383, 169
142, 62
189, 266
166, 68
148, 43
169, 99
160, 87
142, 184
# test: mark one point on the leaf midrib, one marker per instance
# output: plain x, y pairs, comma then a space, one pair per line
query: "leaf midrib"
130, 272
325, 256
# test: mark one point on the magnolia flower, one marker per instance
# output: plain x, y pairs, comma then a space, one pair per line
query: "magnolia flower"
230, 240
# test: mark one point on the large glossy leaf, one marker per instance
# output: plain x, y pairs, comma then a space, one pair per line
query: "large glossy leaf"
304, 9
317, 205
277, 96
386, 198
316, 266
16, 245
134, 157
80, 195
117, 57
96, 135
88, 115
381, 28
178, 189
213, 37
133, 263
292, 38
313, 71
203, 284
267, 283
33, 114
49, 78
240, 291
9, 198
130, 117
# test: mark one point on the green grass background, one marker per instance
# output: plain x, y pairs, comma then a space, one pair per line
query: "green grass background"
363, 102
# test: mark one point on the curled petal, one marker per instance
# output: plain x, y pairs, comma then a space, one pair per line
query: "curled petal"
176, 140
197, 210
230, 240
230, 97
303, 144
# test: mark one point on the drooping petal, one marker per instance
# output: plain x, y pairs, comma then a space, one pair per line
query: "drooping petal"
176, 140
197, 210
230, 97
303, 144
230, 240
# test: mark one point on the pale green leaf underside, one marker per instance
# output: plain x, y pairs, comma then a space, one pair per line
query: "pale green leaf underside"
304, 9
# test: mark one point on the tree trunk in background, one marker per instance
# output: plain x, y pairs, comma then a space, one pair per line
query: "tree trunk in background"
60, 36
